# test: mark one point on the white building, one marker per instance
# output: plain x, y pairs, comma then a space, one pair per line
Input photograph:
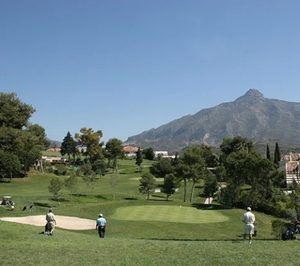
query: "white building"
163, 154
292, 169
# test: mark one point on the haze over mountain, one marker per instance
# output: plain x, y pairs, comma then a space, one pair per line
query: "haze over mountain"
252, 116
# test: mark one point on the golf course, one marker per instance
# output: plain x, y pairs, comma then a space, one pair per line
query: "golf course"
139, 231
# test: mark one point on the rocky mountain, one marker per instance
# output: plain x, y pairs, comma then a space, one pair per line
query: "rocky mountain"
252, 116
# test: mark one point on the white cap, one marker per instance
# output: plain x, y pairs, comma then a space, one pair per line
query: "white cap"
248, 209
100, 214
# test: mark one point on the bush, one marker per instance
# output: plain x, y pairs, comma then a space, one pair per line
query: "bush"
279, 227
60, 169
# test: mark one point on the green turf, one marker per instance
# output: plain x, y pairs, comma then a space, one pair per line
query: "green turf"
24, 245
139, 231
173, 214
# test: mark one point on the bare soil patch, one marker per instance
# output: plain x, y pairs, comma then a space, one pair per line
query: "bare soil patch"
66, 222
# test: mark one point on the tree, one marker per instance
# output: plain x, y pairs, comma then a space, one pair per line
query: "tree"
148, 154
99, 167
296, 197
33, 141
182, 174
38, 133
114, 150
139, 159
9, 164
89, 176
13, 112
56, 184
169, 185
71, 183
147, 184
232, 160
68, 146
90, 141
162, 167
268, 155
195, 168
234, 144
210, 185
18, 137
210, 159
277, 155
248, 167
175, 160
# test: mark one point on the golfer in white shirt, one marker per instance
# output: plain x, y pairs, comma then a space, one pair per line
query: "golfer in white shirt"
249, 220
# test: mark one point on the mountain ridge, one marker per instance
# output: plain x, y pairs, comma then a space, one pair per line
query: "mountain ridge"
251, 115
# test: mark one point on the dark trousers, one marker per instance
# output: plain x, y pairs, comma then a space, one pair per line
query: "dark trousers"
101, 231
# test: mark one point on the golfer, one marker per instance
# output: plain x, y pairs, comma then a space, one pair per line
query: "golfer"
101, 225
51, 222
249, 220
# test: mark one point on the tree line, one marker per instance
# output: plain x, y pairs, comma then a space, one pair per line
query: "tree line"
237, 176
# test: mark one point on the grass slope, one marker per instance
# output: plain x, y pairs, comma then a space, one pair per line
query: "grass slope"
139, 232
173, 214
23, 245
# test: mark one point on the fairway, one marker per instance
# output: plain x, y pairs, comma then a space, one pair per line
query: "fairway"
172, 214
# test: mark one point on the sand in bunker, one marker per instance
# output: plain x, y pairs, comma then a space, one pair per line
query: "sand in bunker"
66, 222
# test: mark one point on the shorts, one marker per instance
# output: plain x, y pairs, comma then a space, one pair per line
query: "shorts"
249, 229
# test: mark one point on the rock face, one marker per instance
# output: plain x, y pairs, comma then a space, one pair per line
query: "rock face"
252, 116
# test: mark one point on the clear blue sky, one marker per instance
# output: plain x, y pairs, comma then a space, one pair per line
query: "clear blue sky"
131, 65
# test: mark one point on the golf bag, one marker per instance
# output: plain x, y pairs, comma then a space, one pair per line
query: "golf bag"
288, 234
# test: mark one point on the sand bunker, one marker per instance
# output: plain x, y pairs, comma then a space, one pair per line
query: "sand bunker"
66, 222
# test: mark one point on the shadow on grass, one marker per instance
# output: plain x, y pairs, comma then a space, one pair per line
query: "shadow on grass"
101, 197
41, 204
202, 206
4, 181
79, 195
207, 240
130, 198
158, 196
192, 239
161, 199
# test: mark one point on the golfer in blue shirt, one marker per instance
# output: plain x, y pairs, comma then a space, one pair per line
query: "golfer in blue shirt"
100, 225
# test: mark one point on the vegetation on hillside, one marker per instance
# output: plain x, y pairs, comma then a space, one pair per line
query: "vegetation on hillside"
238, 176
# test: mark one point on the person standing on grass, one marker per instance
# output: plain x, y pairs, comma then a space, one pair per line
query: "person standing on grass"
101, 225
51, 222
249, 221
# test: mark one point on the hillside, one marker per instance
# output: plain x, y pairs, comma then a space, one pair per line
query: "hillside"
252, 116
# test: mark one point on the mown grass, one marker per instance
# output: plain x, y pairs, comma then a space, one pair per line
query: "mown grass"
173, 214
139, 232
23, 245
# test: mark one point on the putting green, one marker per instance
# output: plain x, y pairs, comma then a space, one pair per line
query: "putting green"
173, 214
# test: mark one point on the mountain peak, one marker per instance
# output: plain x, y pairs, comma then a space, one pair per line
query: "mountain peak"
251, 116
253, 93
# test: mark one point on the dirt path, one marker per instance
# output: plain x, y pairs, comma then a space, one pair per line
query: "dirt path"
66, 222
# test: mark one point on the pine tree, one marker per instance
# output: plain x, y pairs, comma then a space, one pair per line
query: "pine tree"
68, 146
277, 156
139, 159
268, 152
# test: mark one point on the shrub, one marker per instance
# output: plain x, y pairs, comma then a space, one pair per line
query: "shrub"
278, 227
60, 169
